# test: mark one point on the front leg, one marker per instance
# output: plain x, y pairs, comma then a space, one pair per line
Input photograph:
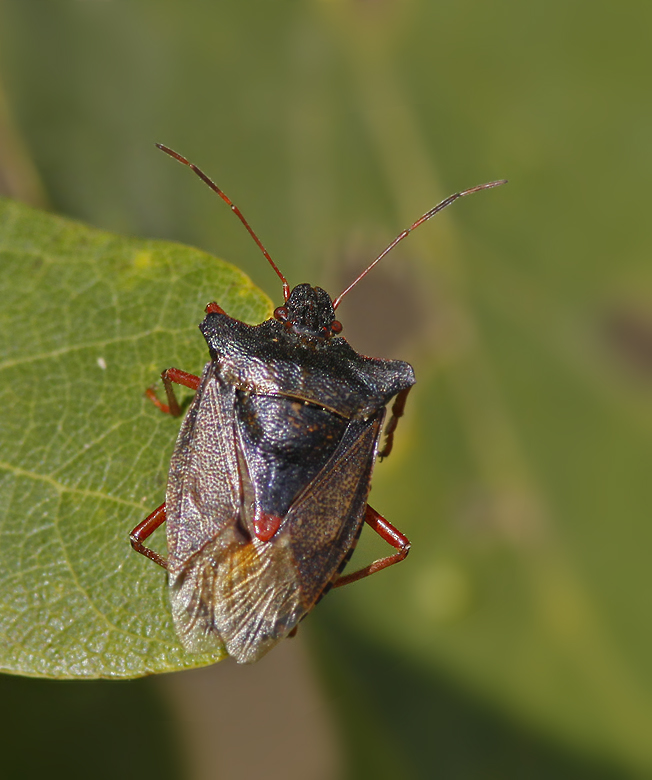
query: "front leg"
169, 376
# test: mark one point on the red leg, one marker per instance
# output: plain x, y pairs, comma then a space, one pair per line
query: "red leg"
398, 408
168, 376
145, 529
387, 532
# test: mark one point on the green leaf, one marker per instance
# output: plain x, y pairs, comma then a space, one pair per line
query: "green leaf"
88, 322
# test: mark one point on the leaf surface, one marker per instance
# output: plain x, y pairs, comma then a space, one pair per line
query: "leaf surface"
88, 322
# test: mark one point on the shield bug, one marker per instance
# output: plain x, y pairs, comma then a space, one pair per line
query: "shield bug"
268, 483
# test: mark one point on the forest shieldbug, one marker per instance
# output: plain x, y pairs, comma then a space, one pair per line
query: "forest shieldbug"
268, 483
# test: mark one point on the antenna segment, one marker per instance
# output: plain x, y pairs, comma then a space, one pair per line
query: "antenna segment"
420, 221
234, 209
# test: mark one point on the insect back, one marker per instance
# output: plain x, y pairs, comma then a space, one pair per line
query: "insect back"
269, 479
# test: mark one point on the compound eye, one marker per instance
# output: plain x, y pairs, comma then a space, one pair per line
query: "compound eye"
281, 313
336, 326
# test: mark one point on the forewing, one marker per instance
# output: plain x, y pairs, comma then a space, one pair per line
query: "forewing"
203, 485
325, 520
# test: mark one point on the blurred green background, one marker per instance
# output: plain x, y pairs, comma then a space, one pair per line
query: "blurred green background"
515, 641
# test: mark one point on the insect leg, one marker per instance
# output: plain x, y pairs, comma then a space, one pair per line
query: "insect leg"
168, 376
398, 408
391, 535
145, 529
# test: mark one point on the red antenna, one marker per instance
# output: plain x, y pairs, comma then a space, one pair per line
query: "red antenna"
419, 221
234, 209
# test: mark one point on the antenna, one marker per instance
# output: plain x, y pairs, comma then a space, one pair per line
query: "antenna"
234, 209
420, 221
